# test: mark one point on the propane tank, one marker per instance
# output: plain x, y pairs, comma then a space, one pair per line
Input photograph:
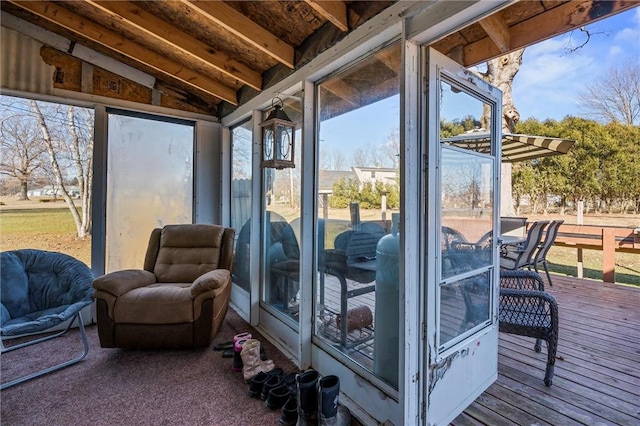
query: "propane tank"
387, 314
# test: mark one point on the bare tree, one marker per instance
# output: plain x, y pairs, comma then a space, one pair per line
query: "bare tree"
614, 96
22, 151
81, 156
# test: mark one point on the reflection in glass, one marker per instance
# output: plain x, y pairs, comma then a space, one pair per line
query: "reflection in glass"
462, 114
151, 163
241, 181
464, 305
281, 227
358, 176
467, 211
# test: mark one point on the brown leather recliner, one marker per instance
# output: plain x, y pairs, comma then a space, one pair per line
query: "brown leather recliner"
179, 299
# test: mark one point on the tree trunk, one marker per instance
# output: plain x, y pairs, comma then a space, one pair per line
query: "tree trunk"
24, 186
500, 72
46, 136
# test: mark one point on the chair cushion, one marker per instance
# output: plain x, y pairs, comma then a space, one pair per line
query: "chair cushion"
14, 285
167, 303
187, 252
56, 286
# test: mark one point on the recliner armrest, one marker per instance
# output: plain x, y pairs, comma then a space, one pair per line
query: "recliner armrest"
121, 282
210, 281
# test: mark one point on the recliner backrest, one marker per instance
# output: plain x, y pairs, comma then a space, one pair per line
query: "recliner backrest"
185, 252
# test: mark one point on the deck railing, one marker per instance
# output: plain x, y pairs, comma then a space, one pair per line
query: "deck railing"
607, 239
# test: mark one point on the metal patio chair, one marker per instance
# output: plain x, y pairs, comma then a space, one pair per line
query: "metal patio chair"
541, 255
514, 257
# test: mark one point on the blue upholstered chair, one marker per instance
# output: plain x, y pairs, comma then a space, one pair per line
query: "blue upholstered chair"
42, 289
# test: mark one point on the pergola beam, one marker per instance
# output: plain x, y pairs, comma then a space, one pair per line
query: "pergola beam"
498, 31
559, 20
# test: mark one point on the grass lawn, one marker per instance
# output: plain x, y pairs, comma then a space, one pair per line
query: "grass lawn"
53, 229
50, 229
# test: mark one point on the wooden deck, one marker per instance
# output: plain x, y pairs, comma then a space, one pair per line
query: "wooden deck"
597, 372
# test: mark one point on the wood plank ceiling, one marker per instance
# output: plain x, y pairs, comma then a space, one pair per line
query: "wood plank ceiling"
211, 56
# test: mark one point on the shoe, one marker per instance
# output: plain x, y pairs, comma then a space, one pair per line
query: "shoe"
273, 381
223, 346
328, 392
289, 416
290, 381
255, 385
251, 362
277, 397
307, 396
237, 364
241, 336
228, 353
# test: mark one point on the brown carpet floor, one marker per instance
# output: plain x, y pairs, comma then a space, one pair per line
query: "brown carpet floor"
123, 387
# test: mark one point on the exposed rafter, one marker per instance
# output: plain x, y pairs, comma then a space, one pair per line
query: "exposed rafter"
144, 21
498, 31
71, 21
563, 18
333, 11
244, 28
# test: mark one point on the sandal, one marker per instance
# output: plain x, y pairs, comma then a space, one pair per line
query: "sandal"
223, 346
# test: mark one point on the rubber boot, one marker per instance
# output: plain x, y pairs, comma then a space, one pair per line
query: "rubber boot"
307, 393
251, 362
236, 364
328, 392
289, 413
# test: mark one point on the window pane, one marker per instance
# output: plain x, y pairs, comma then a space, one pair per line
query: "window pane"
241, 178
150, 162
281, 228
358, 173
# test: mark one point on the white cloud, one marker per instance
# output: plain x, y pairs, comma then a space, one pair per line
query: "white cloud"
616, 51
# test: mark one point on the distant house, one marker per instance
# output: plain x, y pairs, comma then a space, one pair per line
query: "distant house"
377, 174
50, 191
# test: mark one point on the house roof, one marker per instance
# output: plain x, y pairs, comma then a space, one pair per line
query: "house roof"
211, 56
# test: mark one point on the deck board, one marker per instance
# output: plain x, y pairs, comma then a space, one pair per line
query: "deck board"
596, 380
597, 374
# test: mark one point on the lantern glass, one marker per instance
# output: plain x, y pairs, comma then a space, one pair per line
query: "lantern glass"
278, 134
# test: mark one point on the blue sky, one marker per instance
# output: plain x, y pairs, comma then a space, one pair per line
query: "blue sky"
547, 85
551, 78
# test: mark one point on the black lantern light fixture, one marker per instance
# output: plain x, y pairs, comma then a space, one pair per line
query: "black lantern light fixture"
278, 133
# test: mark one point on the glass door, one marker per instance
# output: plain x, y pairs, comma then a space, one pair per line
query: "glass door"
463, 129
281, 239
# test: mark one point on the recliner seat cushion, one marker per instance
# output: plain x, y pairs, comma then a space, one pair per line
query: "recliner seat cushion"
155, 304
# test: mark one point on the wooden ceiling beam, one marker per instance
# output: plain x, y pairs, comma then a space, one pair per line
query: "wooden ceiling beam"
230, 19
559, 20
130, 14
498, 31
57, 14
333, 11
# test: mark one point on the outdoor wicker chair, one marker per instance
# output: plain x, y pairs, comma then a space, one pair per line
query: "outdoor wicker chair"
527, 310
